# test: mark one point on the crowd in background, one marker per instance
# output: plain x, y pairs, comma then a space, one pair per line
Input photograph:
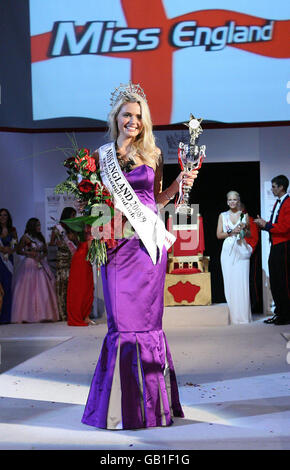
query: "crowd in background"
30, 291
34, 292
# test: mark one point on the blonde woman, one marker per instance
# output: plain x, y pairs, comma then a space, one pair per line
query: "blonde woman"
235, 259
134, 385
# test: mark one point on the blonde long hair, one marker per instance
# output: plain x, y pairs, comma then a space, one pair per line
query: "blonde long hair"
144, 145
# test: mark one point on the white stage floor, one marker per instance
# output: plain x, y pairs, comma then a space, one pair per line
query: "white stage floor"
234, 384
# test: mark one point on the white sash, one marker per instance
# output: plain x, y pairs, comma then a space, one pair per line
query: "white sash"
148, 226
6, 260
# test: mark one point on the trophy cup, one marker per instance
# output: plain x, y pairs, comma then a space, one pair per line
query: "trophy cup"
190, 157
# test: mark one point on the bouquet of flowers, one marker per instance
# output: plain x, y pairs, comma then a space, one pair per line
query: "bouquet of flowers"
12, 245
242, 233
31, 247
84, 182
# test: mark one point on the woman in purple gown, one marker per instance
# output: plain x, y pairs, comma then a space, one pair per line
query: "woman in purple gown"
134, 385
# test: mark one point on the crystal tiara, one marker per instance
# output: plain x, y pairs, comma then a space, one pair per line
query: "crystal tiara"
125, 89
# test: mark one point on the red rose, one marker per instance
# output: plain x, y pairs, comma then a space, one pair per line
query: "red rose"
109, 202
91, 165
85, 186
106, 192
108, 199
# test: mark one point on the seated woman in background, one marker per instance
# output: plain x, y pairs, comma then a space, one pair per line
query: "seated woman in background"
8, 242
34, 297
66, 241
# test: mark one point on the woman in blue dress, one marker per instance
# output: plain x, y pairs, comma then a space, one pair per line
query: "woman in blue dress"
8, 242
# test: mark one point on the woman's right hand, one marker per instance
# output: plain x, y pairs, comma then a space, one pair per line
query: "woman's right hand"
187, 177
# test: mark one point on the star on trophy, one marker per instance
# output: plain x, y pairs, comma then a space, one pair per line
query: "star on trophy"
190, 157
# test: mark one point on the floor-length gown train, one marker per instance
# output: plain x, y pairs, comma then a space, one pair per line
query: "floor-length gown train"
34, 297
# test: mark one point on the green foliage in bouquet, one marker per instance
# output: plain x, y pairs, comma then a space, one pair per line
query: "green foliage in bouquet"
85, 184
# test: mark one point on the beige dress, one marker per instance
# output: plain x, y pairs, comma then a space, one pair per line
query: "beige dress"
63, 261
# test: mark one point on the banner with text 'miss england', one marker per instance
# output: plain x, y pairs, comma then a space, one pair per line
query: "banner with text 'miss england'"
221, 60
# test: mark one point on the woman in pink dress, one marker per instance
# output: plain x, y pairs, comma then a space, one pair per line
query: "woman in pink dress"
34, 296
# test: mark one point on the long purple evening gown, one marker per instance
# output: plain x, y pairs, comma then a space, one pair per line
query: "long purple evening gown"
134, 385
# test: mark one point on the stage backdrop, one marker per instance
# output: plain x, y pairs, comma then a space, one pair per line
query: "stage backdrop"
30, 163
224, 61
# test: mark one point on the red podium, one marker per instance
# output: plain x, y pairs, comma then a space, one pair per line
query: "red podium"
187, 279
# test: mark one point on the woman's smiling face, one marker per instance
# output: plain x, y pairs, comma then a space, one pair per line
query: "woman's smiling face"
233, 201
3, 217
129, 120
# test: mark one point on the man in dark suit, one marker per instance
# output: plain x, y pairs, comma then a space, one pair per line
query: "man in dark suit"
279, 258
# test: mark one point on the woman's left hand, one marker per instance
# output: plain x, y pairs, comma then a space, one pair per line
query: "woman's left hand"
236, 230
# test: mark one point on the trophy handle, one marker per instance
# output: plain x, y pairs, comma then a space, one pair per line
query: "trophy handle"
197, 164
182, 155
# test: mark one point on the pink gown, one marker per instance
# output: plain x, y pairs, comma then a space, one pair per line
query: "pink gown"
34, 296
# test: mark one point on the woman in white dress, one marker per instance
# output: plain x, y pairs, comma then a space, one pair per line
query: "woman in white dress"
235, 259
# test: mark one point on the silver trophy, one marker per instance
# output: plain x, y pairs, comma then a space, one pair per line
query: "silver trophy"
190, 157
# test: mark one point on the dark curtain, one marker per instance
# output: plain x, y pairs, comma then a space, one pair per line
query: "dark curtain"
209, 191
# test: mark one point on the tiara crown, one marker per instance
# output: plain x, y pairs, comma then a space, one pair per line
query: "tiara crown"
125, 89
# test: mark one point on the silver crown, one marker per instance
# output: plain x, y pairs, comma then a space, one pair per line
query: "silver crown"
125, 89
53, 198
